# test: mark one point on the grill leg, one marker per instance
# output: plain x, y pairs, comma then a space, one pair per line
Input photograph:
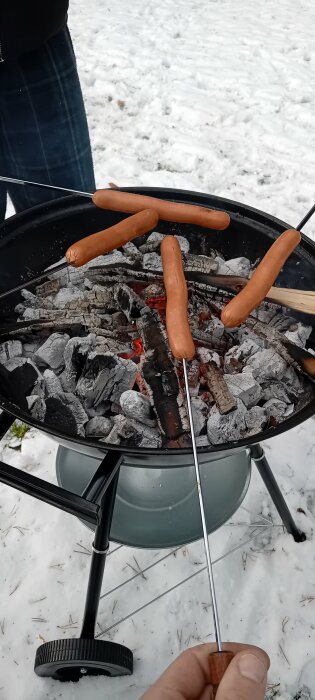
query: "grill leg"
100, 548
258, 456
71, 659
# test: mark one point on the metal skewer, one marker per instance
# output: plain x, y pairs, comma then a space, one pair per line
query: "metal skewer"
16, 181
203, 517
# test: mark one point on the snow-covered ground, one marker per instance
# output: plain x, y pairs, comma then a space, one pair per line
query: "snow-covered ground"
215, 96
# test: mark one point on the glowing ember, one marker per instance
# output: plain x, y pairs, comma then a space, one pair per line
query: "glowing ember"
158, 303
138, 350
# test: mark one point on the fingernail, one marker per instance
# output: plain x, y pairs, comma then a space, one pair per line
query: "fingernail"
253, 668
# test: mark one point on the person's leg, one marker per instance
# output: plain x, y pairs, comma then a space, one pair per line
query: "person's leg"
43, 123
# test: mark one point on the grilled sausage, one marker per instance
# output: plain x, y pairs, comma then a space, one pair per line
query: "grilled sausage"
167, 211
113, 237
239, 308
177, 325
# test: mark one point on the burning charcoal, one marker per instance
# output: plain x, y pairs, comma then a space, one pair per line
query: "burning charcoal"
222, 268
275, 410
130, 433
10, 349
200, 263
66, 296
267, 364
153, 290
129, 302
226, 428
293, 381
105, 378
136, 406
244, 387
39, 388
237, 356
183, 244
51, 352
75, 354
219, 389
267, 312
299, 334
152, 261
238, 266
98, 427
200, 412
131, 251
205, 355
278, 390
161, 379
50, 287
52, 382
255, 420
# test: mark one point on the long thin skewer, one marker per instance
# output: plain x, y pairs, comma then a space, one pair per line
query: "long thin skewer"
203, 517
16, 181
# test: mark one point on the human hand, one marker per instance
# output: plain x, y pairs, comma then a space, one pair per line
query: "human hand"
188, 677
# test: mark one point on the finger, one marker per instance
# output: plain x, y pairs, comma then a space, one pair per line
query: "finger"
189, 674
246, 676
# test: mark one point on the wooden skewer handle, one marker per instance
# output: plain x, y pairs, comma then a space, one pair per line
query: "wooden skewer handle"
218, 662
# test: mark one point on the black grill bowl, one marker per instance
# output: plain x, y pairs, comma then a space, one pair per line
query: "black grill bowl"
33, 240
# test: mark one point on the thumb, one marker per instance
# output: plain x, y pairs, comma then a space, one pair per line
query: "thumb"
245, 677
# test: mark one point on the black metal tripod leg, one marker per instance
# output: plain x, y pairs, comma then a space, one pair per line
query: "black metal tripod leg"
100, 548
258, 456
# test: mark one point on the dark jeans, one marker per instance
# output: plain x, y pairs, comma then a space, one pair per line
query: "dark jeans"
43, 129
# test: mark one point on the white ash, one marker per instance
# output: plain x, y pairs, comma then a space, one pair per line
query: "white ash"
52, 350
98, 427
193, 372
202, 441
215, 328
256, 419
131, 251
294, 382
52, 382
200, 412
205, 355
68, 297
267, 364
276, 409
30, 348
152, 243
35, 301
135, 405
226, 428
10, 349
156, 289
278, 390
299, 334
129, 302
152, 261
238, 266
266, 312
237, 356
48, 288
39, 388
243, 386
131, 433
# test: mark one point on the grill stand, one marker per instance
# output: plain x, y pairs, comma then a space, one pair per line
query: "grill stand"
70, 659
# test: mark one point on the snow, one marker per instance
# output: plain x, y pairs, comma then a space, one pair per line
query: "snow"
217, 97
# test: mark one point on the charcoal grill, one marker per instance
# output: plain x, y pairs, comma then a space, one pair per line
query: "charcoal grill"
140, 497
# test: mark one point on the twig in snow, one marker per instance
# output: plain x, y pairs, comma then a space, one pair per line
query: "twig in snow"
244, 560
56, 566
114, 606
284, 623
39, 600
15, 589
306, 599
85, 550
20, 529
180, 637
41, 639
38, 619
2, 625
283, 654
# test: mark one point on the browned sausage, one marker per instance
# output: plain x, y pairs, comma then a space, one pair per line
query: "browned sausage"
102, 242
167, 211
177, 325
239, 308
